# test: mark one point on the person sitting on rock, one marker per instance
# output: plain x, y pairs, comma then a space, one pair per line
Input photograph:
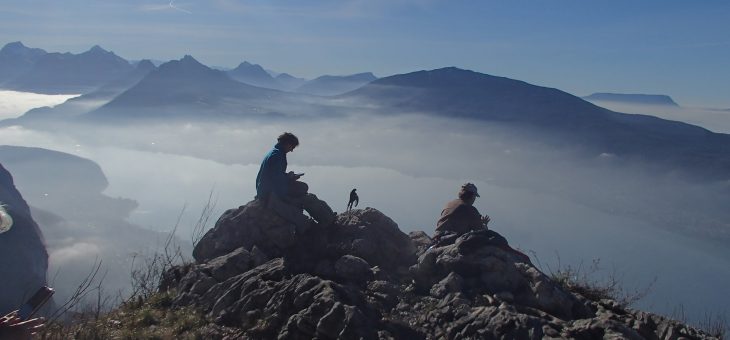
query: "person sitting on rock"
460, 217
282, 191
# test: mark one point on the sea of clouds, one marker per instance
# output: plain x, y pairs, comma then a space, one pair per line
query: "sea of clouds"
566, 210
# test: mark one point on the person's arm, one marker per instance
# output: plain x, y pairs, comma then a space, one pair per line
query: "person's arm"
476, 221
485, 220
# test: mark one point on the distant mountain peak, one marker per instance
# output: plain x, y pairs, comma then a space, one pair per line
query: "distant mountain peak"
187, 62
189, 59
97, 49
253, 74
329, 85
14, 45
249, 66
17, 47
446, 77
285, 76
145, 64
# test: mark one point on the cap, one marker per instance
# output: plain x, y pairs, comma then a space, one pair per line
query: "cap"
469, 187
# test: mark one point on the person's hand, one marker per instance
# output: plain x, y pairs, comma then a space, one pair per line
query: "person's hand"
485, 220
13, 327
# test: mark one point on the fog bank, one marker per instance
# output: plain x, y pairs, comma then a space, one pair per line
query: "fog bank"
13, 103
545, 199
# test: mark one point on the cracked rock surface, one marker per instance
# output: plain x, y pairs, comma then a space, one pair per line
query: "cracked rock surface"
362, 278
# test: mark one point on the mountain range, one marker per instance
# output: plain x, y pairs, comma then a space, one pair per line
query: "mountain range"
452, 92
77, 106
327, 85
68, 73
35, 70
187, 88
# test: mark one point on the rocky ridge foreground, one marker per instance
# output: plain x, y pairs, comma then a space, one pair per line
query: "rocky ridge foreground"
363, 278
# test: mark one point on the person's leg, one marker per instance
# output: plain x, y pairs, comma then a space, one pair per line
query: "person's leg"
289, 212
298, 189
318, 209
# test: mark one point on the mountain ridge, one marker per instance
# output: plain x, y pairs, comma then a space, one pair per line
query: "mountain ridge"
464, 94
328, 85
68, 73
179, 87
253, 74
633, 98
16, 59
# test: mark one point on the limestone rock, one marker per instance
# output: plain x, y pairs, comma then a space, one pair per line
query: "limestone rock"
349, 280
248, 225
353, 269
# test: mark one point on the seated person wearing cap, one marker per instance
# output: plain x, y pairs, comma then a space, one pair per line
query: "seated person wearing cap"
460, 216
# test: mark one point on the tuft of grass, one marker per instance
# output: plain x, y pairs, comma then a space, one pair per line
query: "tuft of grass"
583, 280
154, 318
715, 324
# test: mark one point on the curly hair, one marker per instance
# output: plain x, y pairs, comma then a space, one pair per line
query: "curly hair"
466, 195
288, 138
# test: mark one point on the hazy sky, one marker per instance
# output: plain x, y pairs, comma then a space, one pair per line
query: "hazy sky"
675, 47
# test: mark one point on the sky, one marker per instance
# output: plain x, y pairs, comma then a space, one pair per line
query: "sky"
674, 47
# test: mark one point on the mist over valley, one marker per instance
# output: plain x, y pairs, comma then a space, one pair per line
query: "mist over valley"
559, 176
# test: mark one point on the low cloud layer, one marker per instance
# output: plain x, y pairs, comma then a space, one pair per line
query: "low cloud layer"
542, 199
13, 104
715, 120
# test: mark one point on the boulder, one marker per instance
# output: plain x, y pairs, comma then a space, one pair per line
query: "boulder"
420, 240
248, 225
353, 269
487, 268
223, 267
369, 234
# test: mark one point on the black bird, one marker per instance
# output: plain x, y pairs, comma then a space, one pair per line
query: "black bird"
353, 199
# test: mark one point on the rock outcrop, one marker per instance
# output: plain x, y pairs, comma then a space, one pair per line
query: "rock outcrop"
362, 278
23, 254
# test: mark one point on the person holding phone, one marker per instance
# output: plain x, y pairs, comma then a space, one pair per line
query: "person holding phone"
283, 192
272, 176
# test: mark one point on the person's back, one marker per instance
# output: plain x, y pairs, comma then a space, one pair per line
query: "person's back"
272, 173
460, 217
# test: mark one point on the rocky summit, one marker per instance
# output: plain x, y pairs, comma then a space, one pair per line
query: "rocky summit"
259, 277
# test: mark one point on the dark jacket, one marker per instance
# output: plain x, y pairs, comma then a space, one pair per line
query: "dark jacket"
272, 174
459, 217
